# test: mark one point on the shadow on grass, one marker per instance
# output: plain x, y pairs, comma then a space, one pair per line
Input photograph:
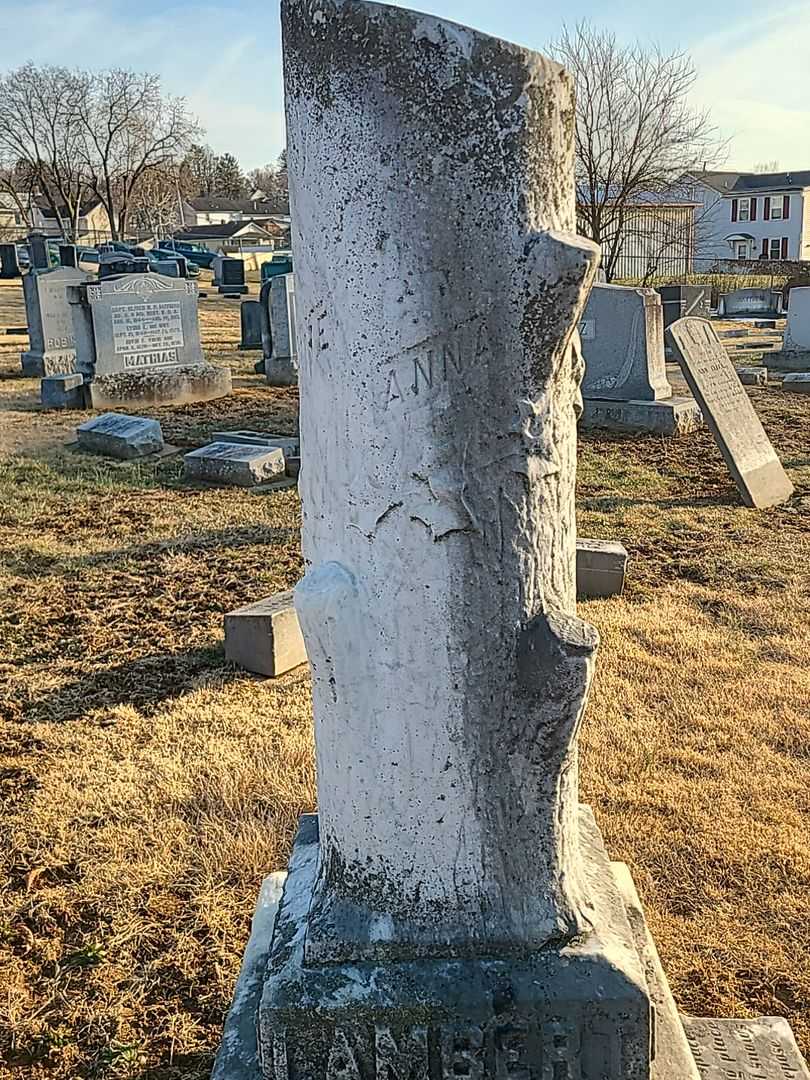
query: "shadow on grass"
607, 503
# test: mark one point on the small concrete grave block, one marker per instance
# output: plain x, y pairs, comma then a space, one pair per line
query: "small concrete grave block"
65, 391
678, 301
234, 463
625, 385
281, 367
265, 637
138, 341
120, 436
52, 342
753, 376
750, 302
795, 352
9, 263
797, 382
737, 429
601, 566
251, 324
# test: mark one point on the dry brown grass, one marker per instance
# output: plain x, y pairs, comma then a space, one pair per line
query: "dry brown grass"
148, 786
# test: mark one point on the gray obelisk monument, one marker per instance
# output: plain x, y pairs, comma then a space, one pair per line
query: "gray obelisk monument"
451, 911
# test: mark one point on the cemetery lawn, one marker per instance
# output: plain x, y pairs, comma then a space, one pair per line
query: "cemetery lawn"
147, 786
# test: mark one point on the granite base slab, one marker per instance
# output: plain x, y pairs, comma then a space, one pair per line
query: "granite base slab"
673, 416
789, 361
171, 386
684, 1048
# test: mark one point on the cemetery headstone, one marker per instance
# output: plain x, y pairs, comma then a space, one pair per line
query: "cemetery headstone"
737, 429
240, 464
138, 340
9, 262
52, 344
797, 382
250, 324
451, 911
68, 255
749, 302
264, 321
281, 368
753, 376
166, 267
64, 391
38, 252
601, 566
625, 384
230, 276
678, 301
118, 436
265, 637
795, 352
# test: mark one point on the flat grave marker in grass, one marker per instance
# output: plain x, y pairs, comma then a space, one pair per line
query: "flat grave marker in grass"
731, 418
125, 437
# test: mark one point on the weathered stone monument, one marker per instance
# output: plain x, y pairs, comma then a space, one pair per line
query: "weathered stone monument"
625, 384
52, 345
281, 366
746, 449
250, 324
795, 352
9, 262
747, 303
138, 341
451, 912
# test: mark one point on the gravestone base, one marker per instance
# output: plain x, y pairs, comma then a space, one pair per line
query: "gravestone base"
232, 290
753, 376
281, 371
64, 391
789, 361
673, 416
485, 1019
43, 365
177, 386
798, 383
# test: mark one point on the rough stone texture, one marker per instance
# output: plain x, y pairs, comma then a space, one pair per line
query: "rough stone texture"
676, 416
251, 324
265, 637
797, 383
177, 385
678, 301
118, 436
52, 344
281, 368
622, 334
745, 447
231, 463
753, 376
487, 1016
9, 264
65, 391
601, 566
748, 302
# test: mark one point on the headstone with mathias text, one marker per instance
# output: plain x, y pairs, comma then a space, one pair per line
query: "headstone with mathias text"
9, 262
139, 342
119, 436
625, 384
281, 367
250, 324
52, 343
737, 429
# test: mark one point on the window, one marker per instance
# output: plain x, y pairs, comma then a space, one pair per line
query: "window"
776, 208
744, 211
775, 248
741, 249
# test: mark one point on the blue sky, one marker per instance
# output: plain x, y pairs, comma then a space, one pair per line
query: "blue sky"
752, 58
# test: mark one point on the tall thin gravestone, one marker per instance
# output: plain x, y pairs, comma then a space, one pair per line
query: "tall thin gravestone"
451, 912
9, 262
281, 367
38, 252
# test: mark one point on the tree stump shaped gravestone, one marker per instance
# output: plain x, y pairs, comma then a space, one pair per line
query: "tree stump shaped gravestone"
451, 912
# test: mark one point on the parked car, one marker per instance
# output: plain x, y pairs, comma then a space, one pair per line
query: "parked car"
198, 254
192, 269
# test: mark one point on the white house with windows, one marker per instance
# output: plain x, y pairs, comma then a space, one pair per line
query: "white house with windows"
751, 216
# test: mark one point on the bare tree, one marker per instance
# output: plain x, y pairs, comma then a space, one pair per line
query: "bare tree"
271, 179
201, 165
636, 134
157, 206
129, 130
40, 140
762, 168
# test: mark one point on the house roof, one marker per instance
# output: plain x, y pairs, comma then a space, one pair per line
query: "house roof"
736, 183
46, 211
224, 231
243, 206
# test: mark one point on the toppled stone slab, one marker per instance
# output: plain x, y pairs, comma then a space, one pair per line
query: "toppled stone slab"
288, 443
760, 1049
265, 637
601, 566
753, 376
797, 384
65, 391
674, 416
233, 463
120, 436
178, 386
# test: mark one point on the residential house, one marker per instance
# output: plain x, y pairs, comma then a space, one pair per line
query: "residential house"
214, 210
93, 224
236, 237
751, 216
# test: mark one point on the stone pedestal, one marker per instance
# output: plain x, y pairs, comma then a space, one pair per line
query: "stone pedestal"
452, 913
